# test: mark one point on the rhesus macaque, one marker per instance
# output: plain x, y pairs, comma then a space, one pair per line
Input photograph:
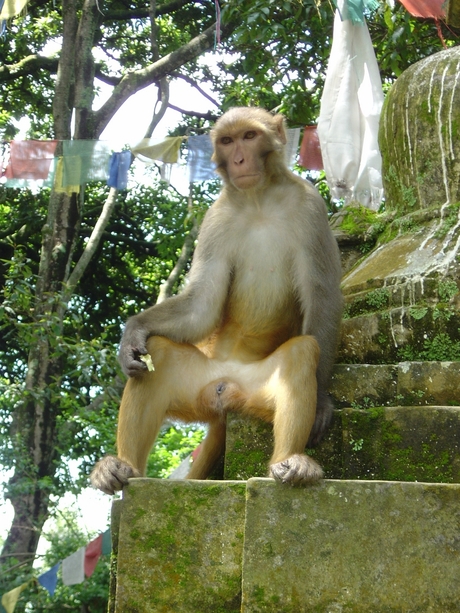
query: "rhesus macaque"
256, 326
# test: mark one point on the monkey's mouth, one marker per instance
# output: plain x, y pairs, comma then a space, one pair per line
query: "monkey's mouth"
248, 180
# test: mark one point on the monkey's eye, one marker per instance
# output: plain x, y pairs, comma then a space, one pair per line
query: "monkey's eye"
226, 140
250, 134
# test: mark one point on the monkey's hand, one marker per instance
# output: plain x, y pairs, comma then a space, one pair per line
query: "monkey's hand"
110, 474
296, 470
132, 346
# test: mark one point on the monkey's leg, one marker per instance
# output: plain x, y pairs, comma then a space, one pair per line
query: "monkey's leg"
211, 450
171, 389
287, 396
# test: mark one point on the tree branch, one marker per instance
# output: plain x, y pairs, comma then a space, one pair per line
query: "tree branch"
27, 66
91, 245
137, 80
209, 116
194, 84
141, 13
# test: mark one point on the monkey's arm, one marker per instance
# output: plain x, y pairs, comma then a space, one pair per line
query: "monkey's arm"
193, 314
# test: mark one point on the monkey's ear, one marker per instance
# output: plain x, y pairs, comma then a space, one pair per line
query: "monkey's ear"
280, 128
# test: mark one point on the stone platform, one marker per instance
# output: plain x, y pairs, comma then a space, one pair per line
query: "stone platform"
257, 546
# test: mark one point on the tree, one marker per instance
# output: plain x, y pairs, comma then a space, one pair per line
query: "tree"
276, 57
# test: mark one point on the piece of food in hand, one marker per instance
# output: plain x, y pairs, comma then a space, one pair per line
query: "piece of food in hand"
148, 361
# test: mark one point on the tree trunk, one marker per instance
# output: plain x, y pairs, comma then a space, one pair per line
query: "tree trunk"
35, 420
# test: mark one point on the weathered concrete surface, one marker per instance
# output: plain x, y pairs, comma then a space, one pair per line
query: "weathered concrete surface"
409, 443
180, 547
352, 547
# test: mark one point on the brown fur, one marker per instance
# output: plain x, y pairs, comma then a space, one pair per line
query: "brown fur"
255, 328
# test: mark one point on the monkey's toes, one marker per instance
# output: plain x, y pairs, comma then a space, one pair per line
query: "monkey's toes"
296, 470
110, 474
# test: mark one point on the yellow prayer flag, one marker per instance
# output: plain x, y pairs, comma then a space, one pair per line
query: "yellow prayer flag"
10, 599
58, 179
12, 8
166, 151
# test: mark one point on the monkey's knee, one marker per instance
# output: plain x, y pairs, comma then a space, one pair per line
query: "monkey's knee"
221, 395
111, 474
298, 469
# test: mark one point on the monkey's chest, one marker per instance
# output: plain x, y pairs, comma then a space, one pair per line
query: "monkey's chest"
262, 291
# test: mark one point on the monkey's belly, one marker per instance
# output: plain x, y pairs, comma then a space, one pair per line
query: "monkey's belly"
246, 340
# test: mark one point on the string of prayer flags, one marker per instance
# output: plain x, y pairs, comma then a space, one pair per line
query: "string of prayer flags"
166, 151
310, 150
85, 160
30, 159
119, 165
199, 164
10, 599
92, 554
49, 579
73, 568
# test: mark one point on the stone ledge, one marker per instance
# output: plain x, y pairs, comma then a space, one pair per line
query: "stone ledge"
339, 546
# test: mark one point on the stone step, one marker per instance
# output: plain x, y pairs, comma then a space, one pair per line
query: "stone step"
410, 443
248, 547
404, 383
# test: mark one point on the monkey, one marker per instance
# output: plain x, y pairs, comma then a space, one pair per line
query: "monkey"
255, 328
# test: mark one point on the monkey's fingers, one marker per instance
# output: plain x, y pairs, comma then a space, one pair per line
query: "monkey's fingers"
296, 470
131, 362
111, 474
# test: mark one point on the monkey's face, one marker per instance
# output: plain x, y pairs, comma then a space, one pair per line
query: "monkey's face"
244, 139
242, 155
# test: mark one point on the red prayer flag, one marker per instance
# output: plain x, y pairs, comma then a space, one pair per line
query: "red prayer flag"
425, 8
30, 159
92, 554
310, 150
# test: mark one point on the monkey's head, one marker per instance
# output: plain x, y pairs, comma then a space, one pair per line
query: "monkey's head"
249, 147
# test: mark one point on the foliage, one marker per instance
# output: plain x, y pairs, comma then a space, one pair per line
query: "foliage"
174, 444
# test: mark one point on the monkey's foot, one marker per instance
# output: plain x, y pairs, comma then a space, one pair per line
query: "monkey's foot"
296, 470
110, 474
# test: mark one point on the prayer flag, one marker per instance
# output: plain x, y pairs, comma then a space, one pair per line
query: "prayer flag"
166, 150
118, 169
350, 113
73, 568
199, 165
106, 542
49, 579
58, 180
30, 159
10, 599
83, 161
292, 144
92, 554
12, 8
425, 8
310, 150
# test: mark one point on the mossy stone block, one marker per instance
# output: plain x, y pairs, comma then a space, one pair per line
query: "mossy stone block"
429, 382
180, 547
391, 443
114, 532
363, 384
351, 547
